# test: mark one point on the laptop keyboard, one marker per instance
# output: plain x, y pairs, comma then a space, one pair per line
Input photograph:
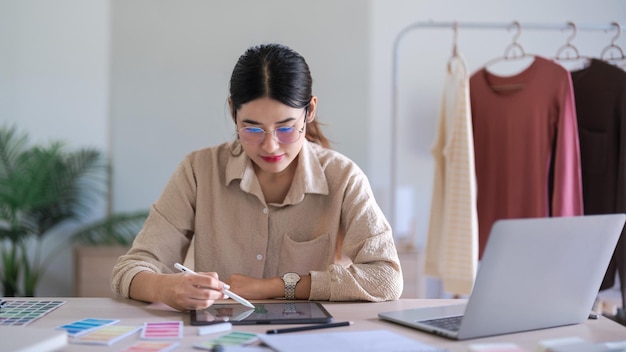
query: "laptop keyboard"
448, 323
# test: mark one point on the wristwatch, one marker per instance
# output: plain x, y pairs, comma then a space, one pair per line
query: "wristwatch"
290, 280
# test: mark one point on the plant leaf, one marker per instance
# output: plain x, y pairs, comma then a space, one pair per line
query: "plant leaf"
117, 229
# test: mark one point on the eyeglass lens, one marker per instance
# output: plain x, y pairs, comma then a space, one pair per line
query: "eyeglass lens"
256, 135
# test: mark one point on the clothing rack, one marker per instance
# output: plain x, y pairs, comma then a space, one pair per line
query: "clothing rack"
455, 26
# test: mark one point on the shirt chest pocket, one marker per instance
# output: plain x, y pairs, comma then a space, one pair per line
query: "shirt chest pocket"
305, 256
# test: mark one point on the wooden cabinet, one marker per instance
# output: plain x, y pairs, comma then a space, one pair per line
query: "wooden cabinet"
92, 269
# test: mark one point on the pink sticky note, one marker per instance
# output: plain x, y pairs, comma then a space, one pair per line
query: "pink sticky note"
162, 330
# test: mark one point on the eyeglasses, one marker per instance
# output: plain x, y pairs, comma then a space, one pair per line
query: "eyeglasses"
283, 134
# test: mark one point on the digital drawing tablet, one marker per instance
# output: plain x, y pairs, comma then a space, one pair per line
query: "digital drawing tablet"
263, 313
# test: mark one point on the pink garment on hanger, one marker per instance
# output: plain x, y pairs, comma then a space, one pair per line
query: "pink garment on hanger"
526, 145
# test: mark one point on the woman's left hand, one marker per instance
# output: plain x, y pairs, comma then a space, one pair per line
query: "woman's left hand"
253, 288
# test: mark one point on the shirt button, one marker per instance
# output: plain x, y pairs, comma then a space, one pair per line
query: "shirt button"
265, 211
259, 257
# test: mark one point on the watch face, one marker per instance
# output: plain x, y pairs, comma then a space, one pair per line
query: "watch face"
291, 277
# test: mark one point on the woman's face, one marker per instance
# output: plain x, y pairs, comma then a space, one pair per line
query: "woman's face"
270, 155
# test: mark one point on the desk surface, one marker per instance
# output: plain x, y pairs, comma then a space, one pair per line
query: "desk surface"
364, 315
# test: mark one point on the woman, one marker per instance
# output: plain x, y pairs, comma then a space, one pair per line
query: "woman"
275, 213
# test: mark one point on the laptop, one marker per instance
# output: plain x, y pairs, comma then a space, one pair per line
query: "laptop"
535, 273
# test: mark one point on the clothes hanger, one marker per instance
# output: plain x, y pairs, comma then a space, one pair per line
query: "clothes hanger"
513, 52
455, 51
509, 52
455, 31
563, 54
613, 47
568, 46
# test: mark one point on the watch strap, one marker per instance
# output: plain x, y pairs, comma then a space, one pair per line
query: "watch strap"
290, 290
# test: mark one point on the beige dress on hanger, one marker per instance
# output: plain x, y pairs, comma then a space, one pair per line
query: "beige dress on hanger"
452, 246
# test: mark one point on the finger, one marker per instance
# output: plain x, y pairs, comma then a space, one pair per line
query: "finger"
206, 293
209, 273
201, 281
199, 304
209, 283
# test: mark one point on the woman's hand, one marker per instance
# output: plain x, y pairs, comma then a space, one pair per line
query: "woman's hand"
253, 288
181, 291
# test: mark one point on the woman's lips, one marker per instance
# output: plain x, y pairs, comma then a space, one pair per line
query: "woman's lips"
273, 158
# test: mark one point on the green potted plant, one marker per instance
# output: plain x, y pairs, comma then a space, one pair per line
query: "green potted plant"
41, 188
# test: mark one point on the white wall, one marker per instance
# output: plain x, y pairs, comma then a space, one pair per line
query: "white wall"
155, 73
54, 69
54, 72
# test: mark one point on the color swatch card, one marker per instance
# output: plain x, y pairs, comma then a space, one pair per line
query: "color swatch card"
235, 338
23, 312
151, 346
107, 335
81, 327
162, 330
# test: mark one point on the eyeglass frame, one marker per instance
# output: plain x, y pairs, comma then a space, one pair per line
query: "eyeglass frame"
273, 133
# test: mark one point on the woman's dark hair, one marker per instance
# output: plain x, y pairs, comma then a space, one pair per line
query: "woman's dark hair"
277, 72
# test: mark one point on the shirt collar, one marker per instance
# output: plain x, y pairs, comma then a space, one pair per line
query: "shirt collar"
309, 176
310, 172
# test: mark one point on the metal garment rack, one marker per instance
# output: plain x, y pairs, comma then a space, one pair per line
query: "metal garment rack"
455, 26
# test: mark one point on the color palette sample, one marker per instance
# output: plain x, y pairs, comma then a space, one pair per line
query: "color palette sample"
162, 330
24, 312
151, 346
83, 326
235, 338
107, 335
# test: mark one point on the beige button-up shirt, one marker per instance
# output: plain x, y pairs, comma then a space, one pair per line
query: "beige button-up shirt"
329, 226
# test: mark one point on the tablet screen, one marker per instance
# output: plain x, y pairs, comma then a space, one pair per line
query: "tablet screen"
264, 313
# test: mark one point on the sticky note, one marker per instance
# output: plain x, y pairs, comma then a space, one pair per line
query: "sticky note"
162, 330
83, 326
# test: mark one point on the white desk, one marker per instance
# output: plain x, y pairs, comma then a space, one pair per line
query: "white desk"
363, 314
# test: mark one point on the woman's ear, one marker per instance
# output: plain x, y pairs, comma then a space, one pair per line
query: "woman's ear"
311, 110
232, 111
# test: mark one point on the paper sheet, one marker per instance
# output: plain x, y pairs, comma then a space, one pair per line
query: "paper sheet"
357, 341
